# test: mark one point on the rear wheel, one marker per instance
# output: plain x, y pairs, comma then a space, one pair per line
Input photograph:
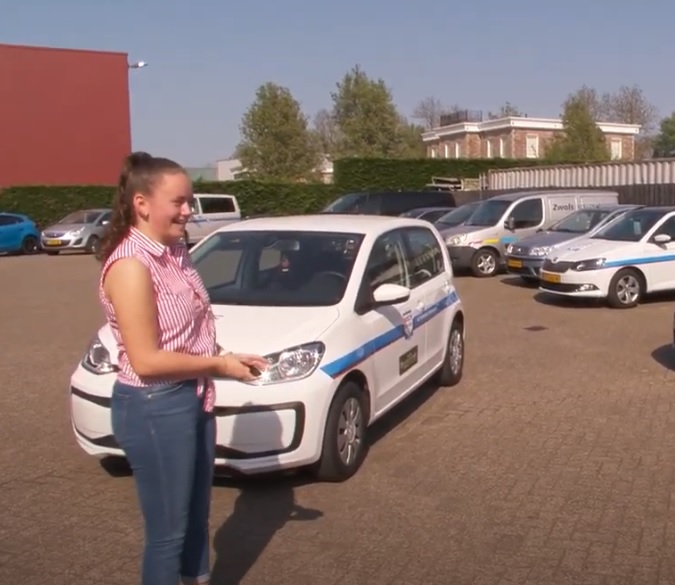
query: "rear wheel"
451, 371
344, 442
29, 245
484, 263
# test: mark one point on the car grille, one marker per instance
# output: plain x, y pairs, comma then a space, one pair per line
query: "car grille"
557, 266
54, 234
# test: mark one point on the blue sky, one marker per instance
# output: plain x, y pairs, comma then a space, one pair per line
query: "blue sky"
207, 58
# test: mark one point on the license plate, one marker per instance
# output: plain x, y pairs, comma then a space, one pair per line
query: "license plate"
548, 277
514, 263
53, 242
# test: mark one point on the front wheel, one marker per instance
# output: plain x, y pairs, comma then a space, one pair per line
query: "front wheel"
344, 442
484, 263
626, 289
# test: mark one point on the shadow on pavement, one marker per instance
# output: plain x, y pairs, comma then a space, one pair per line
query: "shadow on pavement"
665, 356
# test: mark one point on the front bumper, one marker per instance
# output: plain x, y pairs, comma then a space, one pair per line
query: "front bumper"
592, 284
63, 243
461, 256
259, 429
527, 266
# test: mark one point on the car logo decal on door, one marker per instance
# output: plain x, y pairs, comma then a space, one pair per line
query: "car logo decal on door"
408, 324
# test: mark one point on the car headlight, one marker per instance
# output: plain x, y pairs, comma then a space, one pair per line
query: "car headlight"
542, 251
292, 364
76, 232
593, 264
455, 240
509, 248
97, 359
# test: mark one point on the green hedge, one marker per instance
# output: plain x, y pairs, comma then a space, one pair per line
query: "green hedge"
48, 204
354, 174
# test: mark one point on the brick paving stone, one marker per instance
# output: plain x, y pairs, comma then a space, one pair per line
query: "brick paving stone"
551, 463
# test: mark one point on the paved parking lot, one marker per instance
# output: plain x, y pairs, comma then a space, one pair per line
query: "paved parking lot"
553, 461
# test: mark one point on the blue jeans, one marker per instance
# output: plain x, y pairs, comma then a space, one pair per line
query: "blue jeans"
169, 442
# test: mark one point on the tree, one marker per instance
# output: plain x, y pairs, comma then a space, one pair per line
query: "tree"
410, 139
582, 140
428, 111
597, 104
630, 106
326, 132
276, 141
664, 143
508, 110
365, 116
627, 105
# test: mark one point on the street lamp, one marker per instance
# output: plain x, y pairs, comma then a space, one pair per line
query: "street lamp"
138, 65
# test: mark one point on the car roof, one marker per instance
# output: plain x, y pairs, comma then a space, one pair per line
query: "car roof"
522, 194
662, 208
323, 222
13, 214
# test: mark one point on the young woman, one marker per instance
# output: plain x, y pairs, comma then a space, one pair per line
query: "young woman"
160, 314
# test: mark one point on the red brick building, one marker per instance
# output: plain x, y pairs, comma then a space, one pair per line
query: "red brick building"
64, 116
468, 136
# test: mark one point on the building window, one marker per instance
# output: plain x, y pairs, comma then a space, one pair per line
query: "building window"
446, 150
488, 144
616, 148
458, 150
433, 152
502, 147
532, 146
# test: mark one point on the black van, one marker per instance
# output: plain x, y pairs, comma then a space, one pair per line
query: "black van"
390, 202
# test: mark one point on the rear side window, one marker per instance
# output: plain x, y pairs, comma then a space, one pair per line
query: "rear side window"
425, 258
9, 220
217, 204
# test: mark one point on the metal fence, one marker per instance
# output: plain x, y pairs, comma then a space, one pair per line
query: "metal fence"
658, 194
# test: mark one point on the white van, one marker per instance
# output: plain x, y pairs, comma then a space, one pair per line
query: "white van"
480, 242
210, 212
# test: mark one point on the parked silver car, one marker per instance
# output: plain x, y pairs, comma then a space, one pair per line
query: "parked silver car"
81, 230
526, 257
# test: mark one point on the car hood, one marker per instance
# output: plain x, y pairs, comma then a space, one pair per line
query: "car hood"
588, 249
462, 229
545, 239
259, 330
65, 227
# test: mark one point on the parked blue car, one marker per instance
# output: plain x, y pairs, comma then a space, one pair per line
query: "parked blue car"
18, 234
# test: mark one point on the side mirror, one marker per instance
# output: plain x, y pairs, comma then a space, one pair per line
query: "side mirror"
662, 239
105, 222
390, 294
510, 224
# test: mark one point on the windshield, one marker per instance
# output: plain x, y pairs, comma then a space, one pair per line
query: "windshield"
81, 217
580, 221
277, 268
457, 216
350, 203
488, 213
632, 227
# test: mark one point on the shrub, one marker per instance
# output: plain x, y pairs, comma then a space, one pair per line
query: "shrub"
48, 204
357, 174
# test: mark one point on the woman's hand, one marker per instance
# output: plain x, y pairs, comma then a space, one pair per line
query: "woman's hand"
238, 366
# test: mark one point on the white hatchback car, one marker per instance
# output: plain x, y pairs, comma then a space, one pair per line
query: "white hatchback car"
626, 259
353, 313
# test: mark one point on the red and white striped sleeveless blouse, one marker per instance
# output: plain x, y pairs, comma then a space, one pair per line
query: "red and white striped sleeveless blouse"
185, 320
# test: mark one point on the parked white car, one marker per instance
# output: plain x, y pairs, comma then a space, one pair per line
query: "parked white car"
211, 211
353, 314
632, 256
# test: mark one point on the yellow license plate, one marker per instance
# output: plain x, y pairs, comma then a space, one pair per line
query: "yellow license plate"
53, 242
514, 263
548, 277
